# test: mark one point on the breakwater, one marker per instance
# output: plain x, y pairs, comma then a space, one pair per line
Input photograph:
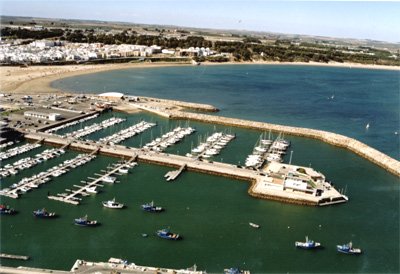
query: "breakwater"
388, 163
188, 105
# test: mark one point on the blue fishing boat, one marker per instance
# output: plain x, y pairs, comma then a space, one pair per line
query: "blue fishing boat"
235, 270
166, 234
150, 207
348, 249
42, 213
7, 210
308, 244
83, 221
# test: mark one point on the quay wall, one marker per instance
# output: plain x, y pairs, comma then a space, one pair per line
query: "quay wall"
279, 198
388, 163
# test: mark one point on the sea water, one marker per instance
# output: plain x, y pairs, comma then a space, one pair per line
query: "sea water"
341, 100
211, 213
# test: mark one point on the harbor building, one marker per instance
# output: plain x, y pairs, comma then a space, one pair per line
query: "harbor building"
297, 178
41, 115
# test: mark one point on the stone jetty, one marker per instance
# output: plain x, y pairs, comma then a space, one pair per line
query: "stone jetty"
365, 151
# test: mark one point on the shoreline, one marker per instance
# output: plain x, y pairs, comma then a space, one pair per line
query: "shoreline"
38, 79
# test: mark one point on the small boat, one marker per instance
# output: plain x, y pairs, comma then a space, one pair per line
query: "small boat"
367, 126
144, 235
254, 225
42, 213
83, 221
308, 244
123, 170
235, 270
150, 207
112, 204
91, 190
6, 210
166, 234
109, 179
348, 249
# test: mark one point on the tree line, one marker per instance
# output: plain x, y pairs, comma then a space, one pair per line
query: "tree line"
246, 50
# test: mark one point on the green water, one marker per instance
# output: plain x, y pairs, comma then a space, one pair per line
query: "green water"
211, 213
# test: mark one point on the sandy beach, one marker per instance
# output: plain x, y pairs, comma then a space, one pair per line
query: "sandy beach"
37, 79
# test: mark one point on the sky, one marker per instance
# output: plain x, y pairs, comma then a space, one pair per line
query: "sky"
375, 20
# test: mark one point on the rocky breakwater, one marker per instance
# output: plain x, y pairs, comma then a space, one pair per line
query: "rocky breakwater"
365, 151
188, 105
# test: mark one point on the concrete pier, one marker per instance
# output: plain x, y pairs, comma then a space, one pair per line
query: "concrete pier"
172, 175
46, 127
258, 187
113, 265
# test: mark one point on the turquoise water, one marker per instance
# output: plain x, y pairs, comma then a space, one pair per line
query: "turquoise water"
211, 213
290, 95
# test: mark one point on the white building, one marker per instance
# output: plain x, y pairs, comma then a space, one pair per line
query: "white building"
41, 115
168, 51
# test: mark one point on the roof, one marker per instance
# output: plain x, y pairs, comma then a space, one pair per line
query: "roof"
112, 94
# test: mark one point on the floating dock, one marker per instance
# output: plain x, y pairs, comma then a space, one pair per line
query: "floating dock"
14, 193
14, 257
81, 191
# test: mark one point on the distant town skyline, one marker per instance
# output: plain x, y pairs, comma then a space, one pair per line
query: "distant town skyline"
341, 19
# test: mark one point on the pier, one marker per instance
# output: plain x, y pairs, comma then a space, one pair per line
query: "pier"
54, 126
260, 187
114, 265
27, 184
73, 199
172, 175
168, 139
14, 257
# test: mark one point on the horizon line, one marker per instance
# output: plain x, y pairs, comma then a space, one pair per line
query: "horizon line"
207, 28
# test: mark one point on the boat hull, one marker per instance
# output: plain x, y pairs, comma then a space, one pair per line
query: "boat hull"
307, 246
168, 235
44, 216
86, 223
113, 206
353, 251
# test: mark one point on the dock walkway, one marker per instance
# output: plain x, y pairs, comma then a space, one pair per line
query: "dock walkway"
258, 187
72, 199
41, 179
172, 175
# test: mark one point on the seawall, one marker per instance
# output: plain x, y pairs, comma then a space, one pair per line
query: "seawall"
388, 163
